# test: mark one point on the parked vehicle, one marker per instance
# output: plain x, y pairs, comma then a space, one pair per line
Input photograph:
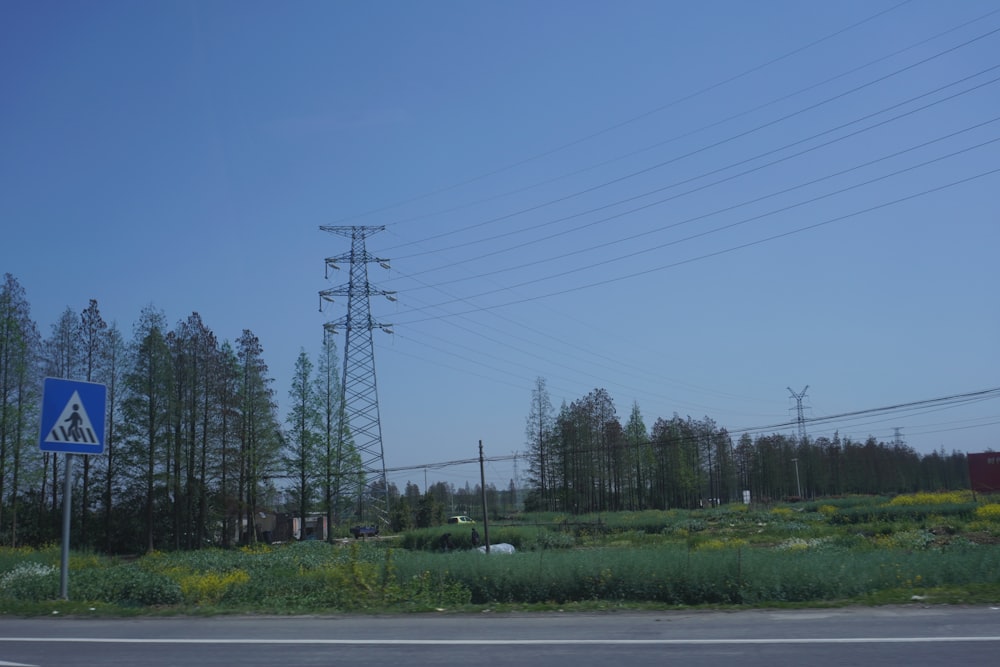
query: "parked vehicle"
460, 519
364, 531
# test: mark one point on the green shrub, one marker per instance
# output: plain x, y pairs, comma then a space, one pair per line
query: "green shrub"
909, 512
30, 581
818, 570
357, 578
126, 585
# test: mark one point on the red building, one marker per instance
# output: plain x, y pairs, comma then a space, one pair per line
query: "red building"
984, 472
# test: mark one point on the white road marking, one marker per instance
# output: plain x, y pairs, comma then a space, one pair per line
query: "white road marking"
503, 642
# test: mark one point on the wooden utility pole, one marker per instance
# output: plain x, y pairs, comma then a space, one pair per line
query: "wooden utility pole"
482, 491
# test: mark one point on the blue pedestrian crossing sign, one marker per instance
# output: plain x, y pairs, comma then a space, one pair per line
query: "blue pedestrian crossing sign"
73, 416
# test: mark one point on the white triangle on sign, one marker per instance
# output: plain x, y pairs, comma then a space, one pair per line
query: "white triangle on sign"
73, 425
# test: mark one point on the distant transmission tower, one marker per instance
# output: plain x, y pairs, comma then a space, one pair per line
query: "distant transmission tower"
358, 422
800, 418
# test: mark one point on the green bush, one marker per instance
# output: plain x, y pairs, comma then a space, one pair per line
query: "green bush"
31, 581
819, 570
895, 513
321, 577
126, 585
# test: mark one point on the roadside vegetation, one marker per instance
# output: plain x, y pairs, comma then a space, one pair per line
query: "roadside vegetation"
916, 548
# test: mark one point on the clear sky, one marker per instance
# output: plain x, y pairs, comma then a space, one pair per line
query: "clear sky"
694, 205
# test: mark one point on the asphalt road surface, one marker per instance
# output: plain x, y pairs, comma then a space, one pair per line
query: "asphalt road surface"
911, 636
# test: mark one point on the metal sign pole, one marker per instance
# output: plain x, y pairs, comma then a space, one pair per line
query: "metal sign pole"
72, 422
67, 513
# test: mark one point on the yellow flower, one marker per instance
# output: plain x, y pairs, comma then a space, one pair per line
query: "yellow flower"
925, 498
990, 512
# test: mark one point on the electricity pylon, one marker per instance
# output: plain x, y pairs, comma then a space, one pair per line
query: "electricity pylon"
358, 422
801, 418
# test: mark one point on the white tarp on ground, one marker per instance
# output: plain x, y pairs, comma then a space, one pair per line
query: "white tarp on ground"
502, 548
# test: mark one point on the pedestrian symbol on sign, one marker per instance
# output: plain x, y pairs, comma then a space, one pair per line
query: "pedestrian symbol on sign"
73, 425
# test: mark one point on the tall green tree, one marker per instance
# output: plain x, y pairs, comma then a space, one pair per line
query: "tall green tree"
115, 358
403, 514
92, 338
601, 436
226, 389
327, 392
259, 433
19, 353
772, 472
303, 461
678, 472
432, 507
640, 456
194, 351
206, 437
539, 437
589, 450
724, 477
149, 383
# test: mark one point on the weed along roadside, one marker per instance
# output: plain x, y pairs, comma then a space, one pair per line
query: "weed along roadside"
918, 548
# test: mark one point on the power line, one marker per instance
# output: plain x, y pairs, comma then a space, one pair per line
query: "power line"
716, 253
631, 120
459, 336
729, 138
731, 207
473, 359
663, 142
506, 343
467, 300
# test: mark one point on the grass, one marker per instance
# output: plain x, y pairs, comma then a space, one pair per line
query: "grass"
924, 548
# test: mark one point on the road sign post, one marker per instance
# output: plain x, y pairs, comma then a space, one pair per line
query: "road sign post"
67, 515
72, 423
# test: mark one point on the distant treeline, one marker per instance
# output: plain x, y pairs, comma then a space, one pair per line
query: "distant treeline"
195, 450
582, 459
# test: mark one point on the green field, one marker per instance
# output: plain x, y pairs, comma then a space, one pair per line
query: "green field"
918, 548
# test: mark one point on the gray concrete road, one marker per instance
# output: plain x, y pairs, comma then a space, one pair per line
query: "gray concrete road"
857, 636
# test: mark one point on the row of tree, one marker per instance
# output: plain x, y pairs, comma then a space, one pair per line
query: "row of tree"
194, 447
583, 459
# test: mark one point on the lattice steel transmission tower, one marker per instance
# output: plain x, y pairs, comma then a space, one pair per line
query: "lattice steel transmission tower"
800, 415
358, 423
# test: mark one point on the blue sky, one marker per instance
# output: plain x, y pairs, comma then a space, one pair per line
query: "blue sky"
692, 205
